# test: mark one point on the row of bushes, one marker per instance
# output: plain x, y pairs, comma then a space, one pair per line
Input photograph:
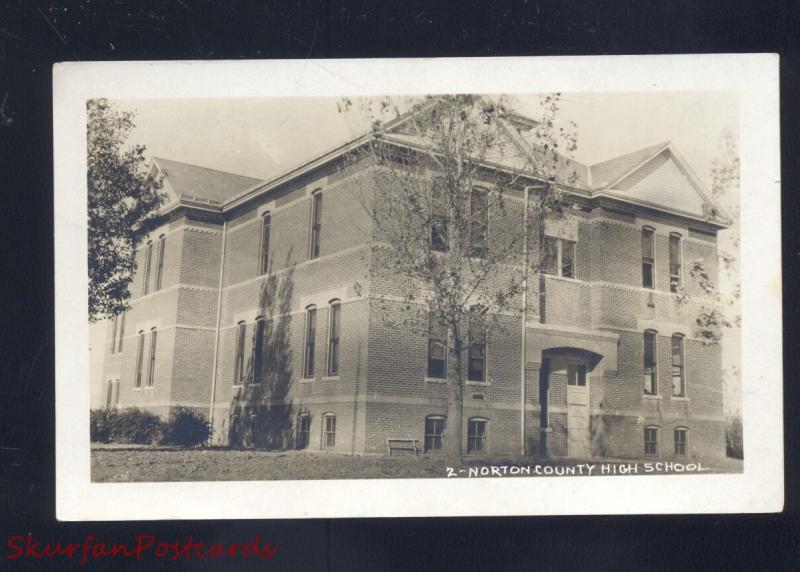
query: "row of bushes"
184, 427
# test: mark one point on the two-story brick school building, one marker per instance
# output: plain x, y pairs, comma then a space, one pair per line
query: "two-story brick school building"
245, 307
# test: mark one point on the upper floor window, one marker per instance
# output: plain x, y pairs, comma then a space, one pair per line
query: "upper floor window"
576, 375
162, 241
479, 221
258, 350
477, 346
139, 359
558, 257
440, 235
148, 258
238, 366
681, 441
114, 334
434, 432
437, 350
651, 441
648, 259
674, 262
310, 346
678, 373
151, 370
334, 330
328, 430
266, 222
121, 333
476, 435
316, 223
650, 373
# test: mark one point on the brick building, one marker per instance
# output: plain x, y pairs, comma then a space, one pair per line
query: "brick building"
245, 307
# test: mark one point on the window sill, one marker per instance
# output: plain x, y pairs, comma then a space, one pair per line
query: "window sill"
679, 398
435, 380
149, 387
479, 383
137, 388
330, 378
645, 396
306, 380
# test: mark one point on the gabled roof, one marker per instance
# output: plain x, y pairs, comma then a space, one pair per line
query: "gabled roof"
209, 185
607, 173
655, 176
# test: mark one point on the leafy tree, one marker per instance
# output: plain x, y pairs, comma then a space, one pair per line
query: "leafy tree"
454, 222
123, 199
713, 316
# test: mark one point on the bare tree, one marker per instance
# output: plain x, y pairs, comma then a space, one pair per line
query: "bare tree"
461, 188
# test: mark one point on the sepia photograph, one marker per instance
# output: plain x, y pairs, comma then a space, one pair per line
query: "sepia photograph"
434, 285
452, 283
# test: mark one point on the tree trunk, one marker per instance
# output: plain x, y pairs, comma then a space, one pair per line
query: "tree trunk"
455, 404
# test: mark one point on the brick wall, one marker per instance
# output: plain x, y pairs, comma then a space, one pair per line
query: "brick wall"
381, 390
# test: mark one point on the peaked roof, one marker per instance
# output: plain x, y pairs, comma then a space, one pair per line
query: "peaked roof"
194, 182
642, 176
607, 173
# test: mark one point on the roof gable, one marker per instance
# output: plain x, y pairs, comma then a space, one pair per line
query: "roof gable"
662, 180
192, 181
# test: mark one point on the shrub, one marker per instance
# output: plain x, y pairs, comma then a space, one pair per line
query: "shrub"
733, 437
100, 423
186, 428
136, 426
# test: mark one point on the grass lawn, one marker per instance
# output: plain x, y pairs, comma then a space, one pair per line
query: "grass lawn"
156, 464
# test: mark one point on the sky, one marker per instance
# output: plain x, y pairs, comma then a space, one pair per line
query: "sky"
265, 137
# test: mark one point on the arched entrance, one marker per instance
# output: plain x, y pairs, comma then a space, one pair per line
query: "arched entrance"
574, 365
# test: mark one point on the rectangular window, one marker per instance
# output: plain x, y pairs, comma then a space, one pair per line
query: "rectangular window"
476, 435
434, 431
109, 393
329, 434
550, 256
437, 351
121, 333
477, 348
576, 375
558, 257
651, 441
333, 340
316, 223
116, 393
648, 260
238, 367
139, 359
162, 241
258, 351
311, 336
678, 377
303, 430
148, 257
151, 370
650, 374
114, 334
266, 223
674, 262
439, 217
568, 259
681, 435
479, 221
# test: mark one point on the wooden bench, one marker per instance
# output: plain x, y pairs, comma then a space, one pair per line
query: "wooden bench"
403, 445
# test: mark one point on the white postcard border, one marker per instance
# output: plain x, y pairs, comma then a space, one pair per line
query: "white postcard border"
758, 489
